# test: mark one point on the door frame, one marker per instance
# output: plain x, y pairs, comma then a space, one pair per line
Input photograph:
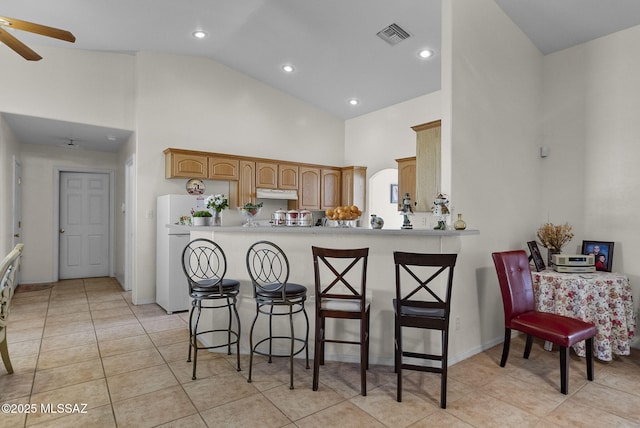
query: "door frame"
56, 214
129, 222
17, 201
16, 220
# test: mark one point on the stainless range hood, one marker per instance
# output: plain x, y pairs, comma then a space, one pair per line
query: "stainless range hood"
277, 194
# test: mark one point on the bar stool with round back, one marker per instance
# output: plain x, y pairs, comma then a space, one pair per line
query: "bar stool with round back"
341, 287
205, 264
268, 268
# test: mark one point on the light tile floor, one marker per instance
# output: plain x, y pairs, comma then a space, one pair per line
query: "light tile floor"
82, 341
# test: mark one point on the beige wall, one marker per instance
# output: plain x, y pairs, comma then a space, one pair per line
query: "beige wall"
591, 111
71, 85
40, 165
377, 139
198, 104
502, 100
388, 131
9, 149
492, 81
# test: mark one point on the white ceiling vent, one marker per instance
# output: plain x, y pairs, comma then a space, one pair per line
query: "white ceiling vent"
393, 34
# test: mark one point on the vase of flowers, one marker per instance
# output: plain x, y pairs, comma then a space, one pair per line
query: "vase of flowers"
217, 203
554, 237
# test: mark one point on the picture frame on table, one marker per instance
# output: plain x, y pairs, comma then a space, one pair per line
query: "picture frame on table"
602, 252
393, 194
536, 256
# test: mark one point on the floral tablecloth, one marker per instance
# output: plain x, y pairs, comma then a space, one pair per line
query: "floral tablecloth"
603, 298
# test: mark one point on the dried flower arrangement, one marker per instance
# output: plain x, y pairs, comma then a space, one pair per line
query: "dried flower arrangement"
554, 237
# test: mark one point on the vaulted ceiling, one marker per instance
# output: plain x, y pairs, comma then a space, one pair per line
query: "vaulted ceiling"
332, 44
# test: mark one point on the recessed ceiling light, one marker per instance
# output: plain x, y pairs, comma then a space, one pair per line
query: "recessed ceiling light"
425, 53
199, 34
288, 68
354, 102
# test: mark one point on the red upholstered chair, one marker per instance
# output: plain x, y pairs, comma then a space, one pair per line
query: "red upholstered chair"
514, 276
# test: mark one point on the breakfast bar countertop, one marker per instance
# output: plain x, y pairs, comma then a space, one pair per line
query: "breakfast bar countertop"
296, 242
325, 230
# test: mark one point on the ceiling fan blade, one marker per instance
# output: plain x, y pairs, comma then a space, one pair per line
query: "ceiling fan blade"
43, 30
18, 46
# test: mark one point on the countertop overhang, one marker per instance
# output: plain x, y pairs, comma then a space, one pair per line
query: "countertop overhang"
318, 230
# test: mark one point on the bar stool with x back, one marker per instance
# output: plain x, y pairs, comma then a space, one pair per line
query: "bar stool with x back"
425, 306
205, 264
341, 294
268, 267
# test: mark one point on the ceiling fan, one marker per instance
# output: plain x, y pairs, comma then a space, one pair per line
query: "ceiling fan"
22, 49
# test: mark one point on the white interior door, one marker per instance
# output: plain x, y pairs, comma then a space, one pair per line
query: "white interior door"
84, 225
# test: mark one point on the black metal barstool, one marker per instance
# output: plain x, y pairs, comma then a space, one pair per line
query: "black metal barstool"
268, 268
205, 265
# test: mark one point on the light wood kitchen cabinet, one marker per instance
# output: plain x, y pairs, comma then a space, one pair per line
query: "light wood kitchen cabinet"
223, 168
272, 175
184, 164
247, 183
288, 177
309, 190
428, 155
406, 179
319, 187
267, 175
354, 186
330, 188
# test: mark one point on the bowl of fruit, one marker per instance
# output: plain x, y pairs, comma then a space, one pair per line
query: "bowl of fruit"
346, 216
249, 211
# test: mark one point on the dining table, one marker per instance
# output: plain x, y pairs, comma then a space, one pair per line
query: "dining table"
603, 298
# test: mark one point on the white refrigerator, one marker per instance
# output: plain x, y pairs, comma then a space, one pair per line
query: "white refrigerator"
172, 291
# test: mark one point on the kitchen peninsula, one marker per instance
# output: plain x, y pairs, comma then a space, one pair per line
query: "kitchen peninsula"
297, 242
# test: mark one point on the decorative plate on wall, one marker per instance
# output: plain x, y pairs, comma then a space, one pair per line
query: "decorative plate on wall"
195, 186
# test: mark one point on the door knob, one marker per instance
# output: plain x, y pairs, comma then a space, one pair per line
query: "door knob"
61, 230
17, 235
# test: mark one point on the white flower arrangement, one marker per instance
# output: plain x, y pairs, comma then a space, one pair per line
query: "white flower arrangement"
217, 202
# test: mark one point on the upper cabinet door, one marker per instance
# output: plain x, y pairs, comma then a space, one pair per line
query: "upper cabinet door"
330, 188
354, 185
223, 168
185, 165
246, 185
406, 179
309, 193
267, 175
428, 164
288, 177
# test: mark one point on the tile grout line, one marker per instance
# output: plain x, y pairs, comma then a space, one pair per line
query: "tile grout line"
95, 332
155, 346
35, 369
